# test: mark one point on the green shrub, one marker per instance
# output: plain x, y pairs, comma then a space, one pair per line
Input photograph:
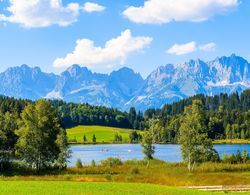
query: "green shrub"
108, 177
93, 164
135, 170
79, 163
236, 159
245, 156
230, 159
117, 138
111, 162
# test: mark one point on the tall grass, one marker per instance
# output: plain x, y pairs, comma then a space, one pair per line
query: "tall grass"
157, 172
222, 167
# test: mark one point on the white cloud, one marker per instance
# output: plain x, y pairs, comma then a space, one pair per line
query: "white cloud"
93, 7
208, 47
41, 13
115, 51
164, 11
182, 49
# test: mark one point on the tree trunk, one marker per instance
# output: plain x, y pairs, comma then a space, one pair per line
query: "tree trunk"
189, 162
193, 166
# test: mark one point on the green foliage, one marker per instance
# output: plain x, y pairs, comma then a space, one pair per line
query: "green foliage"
135, 170
230, 159
42, 142
245, 156
79, 163
117, 138
8, 125
72, 114
237, 158
147, 146
226, 116
94, 138
196, 147
93, 163
84, 139
135, 137
64, 152
111, 162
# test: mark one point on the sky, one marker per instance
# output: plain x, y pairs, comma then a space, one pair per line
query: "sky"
105, 35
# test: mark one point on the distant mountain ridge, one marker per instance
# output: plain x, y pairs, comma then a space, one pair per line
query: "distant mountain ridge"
176, 81
124, 88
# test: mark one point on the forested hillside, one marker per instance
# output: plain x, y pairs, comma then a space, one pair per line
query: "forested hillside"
227, 116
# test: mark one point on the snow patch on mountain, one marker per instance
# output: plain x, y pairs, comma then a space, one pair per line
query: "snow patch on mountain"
124, 88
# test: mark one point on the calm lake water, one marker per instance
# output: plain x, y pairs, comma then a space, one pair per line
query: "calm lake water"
170, 153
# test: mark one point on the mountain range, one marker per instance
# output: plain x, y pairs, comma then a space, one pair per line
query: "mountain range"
124, 88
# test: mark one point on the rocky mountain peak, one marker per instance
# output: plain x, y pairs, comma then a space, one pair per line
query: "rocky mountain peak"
124, 88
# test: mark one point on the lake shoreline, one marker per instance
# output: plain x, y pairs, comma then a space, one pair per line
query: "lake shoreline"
215, 142
232, 141
165, 152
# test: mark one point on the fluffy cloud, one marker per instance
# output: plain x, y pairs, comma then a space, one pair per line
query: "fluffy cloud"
182, 49
164, 11
93, 7
41, 13
115, 51
208, 47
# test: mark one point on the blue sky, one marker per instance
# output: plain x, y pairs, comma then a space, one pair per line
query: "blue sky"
26, 41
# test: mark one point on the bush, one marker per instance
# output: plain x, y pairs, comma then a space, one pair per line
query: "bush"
108, 177
245, 156
79, 163
93, 164
117, 138
236, 159
135, 170
230, 159
111, 162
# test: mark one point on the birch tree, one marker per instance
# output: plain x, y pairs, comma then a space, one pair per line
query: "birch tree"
196, 147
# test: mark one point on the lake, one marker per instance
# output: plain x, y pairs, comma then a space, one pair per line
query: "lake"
170, 152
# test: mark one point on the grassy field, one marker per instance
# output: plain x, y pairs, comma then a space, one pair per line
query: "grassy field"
158, 172
105, 188
132, 177
103, 134
106, 135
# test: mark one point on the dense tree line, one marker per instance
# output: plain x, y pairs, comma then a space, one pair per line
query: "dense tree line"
72, 114
226, 116
32, 135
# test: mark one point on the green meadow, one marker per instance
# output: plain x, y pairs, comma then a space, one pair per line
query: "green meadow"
132, 177
95, 188
103, 134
